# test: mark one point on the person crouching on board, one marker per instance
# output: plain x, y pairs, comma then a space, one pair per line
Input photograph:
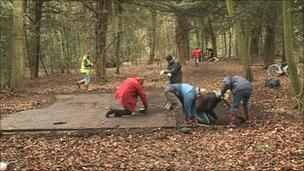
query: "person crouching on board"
127, 93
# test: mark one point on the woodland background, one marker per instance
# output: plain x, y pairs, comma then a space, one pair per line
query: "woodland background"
43, 41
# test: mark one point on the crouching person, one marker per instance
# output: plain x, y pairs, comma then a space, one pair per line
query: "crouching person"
205, 108
183, 98
241, 90
127, 93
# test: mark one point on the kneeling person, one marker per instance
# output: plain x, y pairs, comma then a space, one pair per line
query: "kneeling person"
127, 93
206, 107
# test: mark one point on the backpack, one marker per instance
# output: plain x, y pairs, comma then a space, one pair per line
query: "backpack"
273, 83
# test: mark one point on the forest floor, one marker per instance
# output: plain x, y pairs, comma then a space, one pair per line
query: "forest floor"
274, 141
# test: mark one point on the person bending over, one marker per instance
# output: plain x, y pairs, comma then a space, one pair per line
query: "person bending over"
241, 90
187, 95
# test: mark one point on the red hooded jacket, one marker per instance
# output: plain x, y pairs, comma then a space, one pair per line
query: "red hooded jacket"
196, 53
128, 91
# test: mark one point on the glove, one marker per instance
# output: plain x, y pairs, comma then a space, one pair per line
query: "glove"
169, 75
91, 64
162, 72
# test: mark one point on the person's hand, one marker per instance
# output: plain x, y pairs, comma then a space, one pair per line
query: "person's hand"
162, 72
217, 93
227, 94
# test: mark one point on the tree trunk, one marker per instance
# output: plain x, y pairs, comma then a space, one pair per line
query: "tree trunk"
225, 44
198, 34
61, 53
292, 68
36, 56
254, 46
118, 39
243, 44
230, 43
152, 37
67, 44
44, 68
213, 39
204, 47
181, 36
17, 72
2, 79
269, 46
284, 55
101, 39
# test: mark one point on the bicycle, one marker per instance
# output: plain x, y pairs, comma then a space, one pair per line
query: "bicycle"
279, 68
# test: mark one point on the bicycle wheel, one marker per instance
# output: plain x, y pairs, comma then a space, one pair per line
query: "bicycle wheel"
273, 70
287, 73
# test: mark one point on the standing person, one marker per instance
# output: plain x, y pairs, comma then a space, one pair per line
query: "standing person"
85, 70
127, 93
173, 70
241, 90
196, 55
174, 73
187, 95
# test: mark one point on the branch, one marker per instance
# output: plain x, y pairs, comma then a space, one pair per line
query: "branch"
90, 7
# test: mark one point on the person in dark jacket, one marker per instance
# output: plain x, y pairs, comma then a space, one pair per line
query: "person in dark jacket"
173, 70
207, 104
241, 90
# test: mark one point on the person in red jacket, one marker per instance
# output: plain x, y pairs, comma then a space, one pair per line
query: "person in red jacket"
127, 93
196, 55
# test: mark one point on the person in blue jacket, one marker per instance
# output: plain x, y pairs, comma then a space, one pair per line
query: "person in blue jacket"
187, 95
241, 90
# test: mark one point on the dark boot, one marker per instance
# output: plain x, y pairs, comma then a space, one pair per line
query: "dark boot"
231, 119
247, 115
120, 113
116, 113
111, 111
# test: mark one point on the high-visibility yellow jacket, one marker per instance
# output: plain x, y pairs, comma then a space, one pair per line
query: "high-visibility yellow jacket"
85, 65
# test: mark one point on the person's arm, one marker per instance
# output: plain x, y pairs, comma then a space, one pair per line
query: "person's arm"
227, 85
142, 94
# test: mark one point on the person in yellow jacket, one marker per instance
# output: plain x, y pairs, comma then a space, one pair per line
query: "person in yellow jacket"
85, 70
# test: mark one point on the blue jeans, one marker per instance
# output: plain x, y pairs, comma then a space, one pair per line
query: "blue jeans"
86, 79
205, 118
244, 96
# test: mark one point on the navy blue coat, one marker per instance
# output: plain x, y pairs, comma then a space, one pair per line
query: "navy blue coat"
236, 84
